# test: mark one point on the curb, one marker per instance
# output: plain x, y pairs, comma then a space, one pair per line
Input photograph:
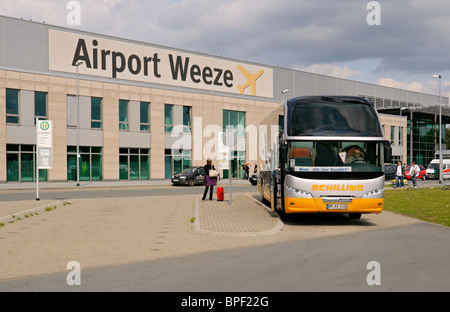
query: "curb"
21, 214
196, 225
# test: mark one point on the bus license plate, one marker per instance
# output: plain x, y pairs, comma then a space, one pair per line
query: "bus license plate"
337, 206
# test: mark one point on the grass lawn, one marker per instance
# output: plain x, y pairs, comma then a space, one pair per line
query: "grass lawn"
428, 204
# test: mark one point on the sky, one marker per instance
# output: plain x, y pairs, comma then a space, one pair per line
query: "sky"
395, 43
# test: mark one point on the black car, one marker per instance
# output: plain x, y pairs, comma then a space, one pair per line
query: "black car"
190, 176
389, 172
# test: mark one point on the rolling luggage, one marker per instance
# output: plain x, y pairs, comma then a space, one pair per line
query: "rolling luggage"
220, 193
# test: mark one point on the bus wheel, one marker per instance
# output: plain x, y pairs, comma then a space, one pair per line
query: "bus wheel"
354, 216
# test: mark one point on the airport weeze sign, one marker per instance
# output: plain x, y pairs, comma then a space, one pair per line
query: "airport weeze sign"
118, 59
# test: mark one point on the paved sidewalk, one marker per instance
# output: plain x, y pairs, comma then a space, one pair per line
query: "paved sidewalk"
244, 216
100, 232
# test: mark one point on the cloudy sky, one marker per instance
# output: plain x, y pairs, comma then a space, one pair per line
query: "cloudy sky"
400, 43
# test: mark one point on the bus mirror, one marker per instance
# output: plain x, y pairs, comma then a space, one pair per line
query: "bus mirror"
387, 152
283, 153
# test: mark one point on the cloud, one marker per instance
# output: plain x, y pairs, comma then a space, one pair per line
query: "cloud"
413, 37
430, 86
332, 70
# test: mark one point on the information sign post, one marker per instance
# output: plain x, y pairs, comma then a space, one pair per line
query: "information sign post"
44, 148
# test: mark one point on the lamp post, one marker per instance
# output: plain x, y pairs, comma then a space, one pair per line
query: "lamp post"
401, 138
440, 129
78, 129
284, 92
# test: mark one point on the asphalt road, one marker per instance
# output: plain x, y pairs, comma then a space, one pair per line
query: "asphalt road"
108, 192
412, 258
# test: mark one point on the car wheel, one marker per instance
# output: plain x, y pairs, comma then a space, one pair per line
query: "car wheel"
191, 182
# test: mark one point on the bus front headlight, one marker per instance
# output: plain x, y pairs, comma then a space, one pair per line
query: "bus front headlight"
298, 192
375, 193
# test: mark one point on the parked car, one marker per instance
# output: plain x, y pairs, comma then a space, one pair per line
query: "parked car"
253, 178
190, 176
389, 172
422, 173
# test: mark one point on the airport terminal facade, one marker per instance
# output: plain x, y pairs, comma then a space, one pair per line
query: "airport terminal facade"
139, 111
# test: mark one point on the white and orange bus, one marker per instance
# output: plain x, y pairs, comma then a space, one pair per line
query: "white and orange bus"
328, 157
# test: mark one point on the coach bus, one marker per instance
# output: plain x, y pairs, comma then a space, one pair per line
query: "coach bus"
327, 157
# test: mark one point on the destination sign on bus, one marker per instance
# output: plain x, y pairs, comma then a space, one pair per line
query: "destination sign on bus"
322, 169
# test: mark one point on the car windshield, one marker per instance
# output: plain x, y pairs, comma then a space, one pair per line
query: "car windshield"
433, 166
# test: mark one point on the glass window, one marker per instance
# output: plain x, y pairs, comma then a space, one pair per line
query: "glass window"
241, 125
280, 122
134, 164
12, 167
12, 106
123, 167
168, 118
392, 134
134, 167
90, 163
145, 167
145, 116
334, 159
96, 113
21, 164
234, 120
167, 166
40, 105
316, 117
26, 167
96, 161
225, 119
187, 119
123, 114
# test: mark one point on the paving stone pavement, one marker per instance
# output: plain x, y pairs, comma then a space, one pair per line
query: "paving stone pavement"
114, 231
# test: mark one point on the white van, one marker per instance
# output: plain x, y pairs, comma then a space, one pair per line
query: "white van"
434, 165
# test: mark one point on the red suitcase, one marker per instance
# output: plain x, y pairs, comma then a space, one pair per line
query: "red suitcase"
220, 193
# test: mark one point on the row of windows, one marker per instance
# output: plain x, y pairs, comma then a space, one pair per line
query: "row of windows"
134, 163
40, 110
231, 119
12, 105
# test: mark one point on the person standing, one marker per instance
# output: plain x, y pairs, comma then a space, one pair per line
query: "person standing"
210, 181
414, 172
399, 175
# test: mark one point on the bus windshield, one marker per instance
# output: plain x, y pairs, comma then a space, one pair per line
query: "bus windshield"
335, 159
314, 117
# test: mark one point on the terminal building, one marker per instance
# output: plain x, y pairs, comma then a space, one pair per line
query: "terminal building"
139, 111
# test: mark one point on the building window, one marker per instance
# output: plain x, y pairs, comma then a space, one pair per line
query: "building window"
234, 120
187, 119
400, 135
145, 116
392, 135
12, 106
134, 164
40, 105
90, 163
176, 161
123, 114
96, 113
21, 164
168, 118
281, 122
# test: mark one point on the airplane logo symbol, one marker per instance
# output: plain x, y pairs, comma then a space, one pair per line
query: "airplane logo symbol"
251, 80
